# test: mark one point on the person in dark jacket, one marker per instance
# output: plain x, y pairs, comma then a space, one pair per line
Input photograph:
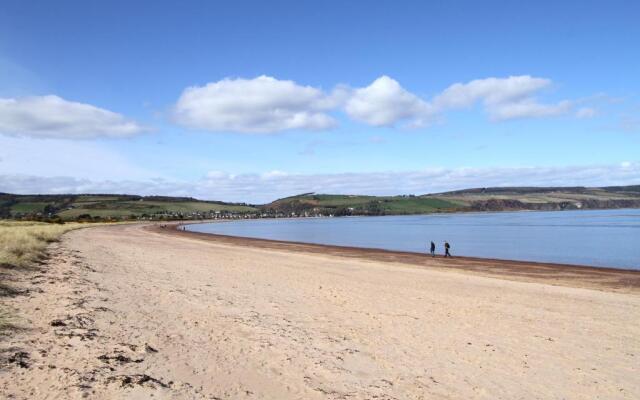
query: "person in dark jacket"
446, 249
433, 249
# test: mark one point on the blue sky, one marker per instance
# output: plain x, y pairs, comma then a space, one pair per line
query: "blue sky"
249, 100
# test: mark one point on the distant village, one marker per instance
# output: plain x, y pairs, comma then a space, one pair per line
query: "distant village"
269, 213
99, 208
181, 215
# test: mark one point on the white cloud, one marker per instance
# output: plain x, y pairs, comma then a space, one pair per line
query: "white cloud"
260, 105
262, 188
267, 105
54, 117
502, 98
528, 109
491, 90
385, 103
586, 112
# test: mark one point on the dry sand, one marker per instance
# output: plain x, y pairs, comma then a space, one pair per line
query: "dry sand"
128, 312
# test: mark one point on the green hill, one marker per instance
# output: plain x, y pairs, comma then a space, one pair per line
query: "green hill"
480, 199
544, 198
326, 204
73, 207
119, 207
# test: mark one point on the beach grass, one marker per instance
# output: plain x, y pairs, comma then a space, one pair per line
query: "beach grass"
6, 322
23, 243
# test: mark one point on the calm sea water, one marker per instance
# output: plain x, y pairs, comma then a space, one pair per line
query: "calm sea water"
608, 238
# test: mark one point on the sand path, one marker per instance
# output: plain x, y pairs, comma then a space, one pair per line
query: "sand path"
123, 312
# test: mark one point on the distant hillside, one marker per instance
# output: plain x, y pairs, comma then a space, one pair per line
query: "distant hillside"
550, 189
325, 204
544, 198
479, 199
85, 207
119, 207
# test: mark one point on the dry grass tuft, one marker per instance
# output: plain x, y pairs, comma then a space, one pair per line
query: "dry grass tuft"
6, 323
22, 243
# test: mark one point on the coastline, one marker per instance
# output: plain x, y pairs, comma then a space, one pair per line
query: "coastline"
603, 278
138, 311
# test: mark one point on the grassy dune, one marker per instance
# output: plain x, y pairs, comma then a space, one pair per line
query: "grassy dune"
22, 244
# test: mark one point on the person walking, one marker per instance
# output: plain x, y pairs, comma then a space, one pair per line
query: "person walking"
433, 249
446, 249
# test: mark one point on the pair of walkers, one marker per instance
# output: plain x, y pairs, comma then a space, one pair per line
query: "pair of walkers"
446, 249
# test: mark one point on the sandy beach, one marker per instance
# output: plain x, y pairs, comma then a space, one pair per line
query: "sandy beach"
134, 312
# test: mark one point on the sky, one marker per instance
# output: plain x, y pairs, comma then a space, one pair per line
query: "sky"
250, 101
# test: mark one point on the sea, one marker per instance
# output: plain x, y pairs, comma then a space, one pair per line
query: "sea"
605, 238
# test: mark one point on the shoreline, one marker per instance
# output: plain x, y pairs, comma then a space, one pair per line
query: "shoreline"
139, 311
603, 278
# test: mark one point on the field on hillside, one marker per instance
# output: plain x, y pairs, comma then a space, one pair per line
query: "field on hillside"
542, 196
483, 199
364, 204
70, 207
95, 207
119, 209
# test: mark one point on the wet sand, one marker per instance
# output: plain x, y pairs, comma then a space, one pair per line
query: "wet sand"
612, 279
138, 311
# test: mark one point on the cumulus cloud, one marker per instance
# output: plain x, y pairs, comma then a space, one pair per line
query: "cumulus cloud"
260, 105
502, 98
491, 90
54, 117
266, 104
262, 188
385, 103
